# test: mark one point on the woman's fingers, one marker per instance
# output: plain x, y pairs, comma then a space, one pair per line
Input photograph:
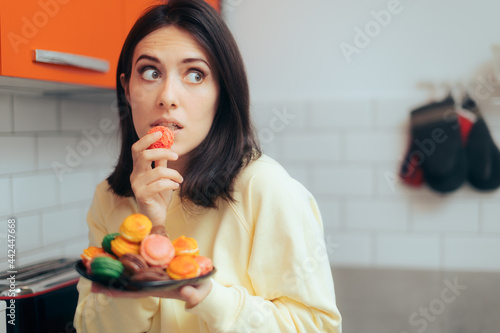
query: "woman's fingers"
142, 156
156, 180
142, 161
161, 163
161, 173
146, 141
156, 187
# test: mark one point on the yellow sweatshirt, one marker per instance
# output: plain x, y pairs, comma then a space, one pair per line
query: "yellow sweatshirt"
273, 273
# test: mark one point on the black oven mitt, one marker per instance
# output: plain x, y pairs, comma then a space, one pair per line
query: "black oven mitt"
482, 153
436, 134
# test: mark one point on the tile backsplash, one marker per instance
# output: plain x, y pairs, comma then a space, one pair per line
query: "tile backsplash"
54, 151
346, 151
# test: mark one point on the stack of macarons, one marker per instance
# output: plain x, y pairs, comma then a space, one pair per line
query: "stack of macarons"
141, 252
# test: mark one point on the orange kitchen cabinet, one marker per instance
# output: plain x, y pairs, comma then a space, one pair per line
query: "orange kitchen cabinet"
68, 41
86, 36
215, 4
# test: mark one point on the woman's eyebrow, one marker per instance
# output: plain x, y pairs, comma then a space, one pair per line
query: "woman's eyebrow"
191, 60
148, 57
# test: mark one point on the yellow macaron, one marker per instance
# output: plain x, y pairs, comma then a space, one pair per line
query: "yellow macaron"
121, 246
135, 227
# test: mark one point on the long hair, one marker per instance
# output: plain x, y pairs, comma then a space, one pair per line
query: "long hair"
231, 142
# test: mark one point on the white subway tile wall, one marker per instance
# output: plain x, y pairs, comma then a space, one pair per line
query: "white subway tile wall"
348, 154
53, 149
6, 113
5, 196
11, 146
45, 119
407, 250
54, 152
490, 216
79, 116
345, 151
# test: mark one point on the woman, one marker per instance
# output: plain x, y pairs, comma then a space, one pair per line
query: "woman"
180, 67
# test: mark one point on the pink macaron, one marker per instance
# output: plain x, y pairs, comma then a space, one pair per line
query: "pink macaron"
157, 250
205, 263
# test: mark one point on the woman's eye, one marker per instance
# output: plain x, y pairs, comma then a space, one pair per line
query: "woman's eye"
195, 77
150, 74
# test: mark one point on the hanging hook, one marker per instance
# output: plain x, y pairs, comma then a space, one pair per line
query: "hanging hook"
430, 87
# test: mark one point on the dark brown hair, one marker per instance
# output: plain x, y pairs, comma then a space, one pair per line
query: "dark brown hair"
231, 142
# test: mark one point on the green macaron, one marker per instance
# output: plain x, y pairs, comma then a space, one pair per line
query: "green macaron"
106, 242
106, 268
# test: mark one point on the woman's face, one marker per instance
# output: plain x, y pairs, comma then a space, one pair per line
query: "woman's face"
172, 84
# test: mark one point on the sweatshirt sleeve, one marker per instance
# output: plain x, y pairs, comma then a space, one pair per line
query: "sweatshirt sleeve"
288, 267
97, 312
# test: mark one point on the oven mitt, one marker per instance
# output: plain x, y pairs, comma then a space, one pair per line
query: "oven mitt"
482, 153
411, 169
436, 133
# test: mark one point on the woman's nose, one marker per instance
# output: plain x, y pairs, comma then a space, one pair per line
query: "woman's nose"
168, 95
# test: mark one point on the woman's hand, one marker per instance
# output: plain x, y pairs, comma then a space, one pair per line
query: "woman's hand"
191, 294
153, 187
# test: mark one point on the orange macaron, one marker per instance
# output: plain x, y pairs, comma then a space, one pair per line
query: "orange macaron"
166, 140
135, 227
89, 253
183, 267
186, 246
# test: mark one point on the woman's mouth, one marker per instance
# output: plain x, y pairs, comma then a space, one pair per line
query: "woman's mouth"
170, 125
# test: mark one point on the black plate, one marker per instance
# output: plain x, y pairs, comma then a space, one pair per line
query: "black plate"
123, 283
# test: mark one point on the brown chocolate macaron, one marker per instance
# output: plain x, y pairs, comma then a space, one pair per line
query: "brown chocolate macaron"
159, 230
151, 274
133, 263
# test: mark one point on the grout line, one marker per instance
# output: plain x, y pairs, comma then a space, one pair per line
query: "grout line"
373, 112
37, 152
411, 222
441, 250
40, 226
11, 183
480, 218
342, 214
12, 113
53, 209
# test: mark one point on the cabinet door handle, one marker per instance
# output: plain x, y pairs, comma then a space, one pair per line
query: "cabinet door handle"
70, 59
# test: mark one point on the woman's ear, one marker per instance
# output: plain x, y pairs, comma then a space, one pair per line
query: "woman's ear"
125, 86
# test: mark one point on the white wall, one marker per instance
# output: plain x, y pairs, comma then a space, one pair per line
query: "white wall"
292, 48
345, 132
49, 204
